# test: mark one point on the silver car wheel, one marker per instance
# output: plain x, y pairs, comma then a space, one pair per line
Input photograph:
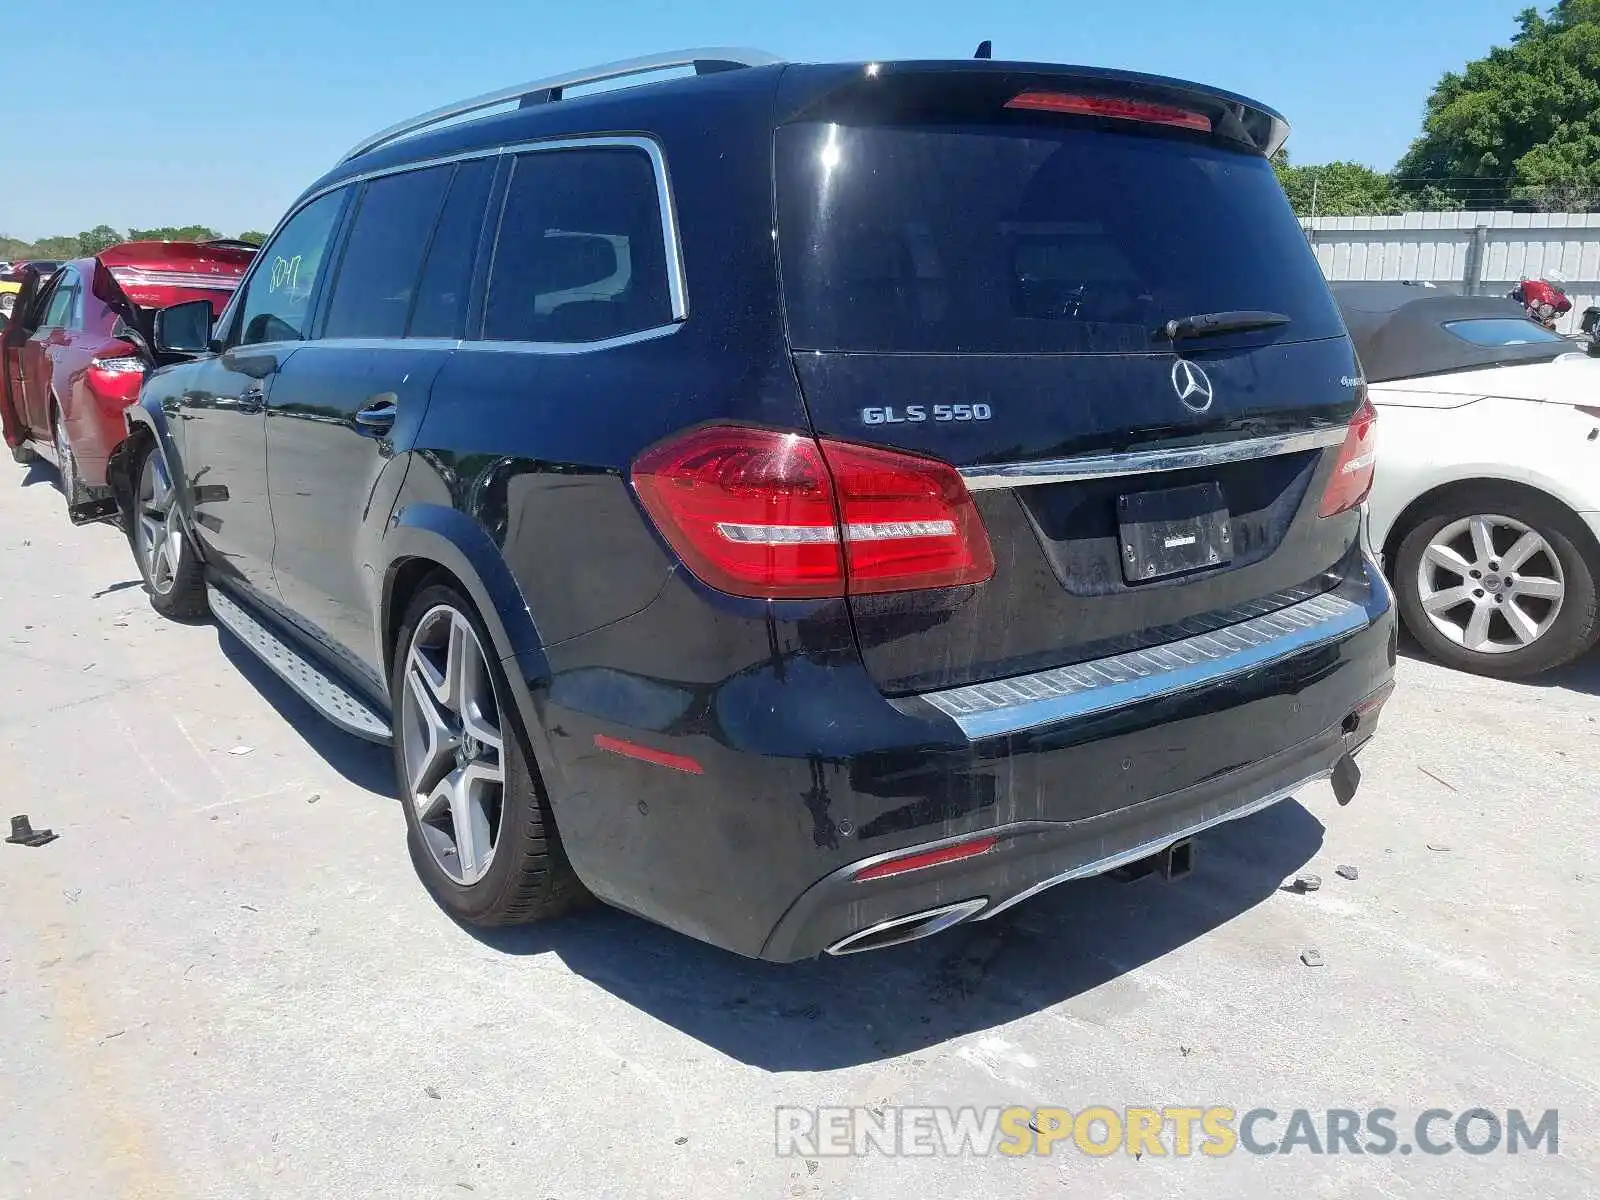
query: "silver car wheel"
159, 540
1490, 584
451, 740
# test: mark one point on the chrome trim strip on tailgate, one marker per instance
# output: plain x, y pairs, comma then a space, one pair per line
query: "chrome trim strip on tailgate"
1144, 462
1132, 854
1028, 701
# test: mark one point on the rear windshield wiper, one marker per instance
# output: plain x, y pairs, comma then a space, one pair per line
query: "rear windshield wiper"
1231, 321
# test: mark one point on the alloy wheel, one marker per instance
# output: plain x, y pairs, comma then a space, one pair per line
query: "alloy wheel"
160, 541
452, 745
1491, 584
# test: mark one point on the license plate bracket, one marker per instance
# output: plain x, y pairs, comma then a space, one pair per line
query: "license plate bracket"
1173, 531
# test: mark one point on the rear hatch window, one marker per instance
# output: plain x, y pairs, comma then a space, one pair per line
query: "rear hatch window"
1032, 238
986, 286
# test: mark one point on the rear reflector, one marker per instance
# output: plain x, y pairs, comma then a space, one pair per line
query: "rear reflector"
1107, 106
661, 758
1353, 470
927, 858
765, 513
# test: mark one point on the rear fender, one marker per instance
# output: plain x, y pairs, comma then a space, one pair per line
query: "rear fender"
449, 539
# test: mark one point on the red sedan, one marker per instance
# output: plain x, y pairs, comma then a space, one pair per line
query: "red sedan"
67, 373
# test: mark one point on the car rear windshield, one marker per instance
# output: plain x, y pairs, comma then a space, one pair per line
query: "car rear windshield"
1036, 238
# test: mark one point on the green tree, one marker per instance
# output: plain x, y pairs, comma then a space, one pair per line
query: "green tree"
1521, 126
1337, 189
253, 236
61, 246
174, 233
101, 237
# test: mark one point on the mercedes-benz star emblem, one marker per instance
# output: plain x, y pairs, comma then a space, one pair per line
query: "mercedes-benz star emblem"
1192, 384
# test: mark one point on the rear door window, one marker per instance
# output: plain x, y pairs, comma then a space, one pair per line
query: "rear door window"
443, 294
389, 236
277, 300
63, 302
580, 255
1032, 238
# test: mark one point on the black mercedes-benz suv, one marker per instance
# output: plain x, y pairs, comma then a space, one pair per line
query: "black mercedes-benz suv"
807, 506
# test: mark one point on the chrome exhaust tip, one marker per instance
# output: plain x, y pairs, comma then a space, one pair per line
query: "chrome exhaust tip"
907, 929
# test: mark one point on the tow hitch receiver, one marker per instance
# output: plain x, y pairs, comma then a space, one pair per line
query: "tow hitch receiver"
1176, 861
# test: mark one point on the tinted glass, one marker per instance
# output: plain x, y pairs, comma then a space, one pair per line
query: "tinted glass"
580, 255
277, 302
1043, 238
1501, 331
62, 302
383, 256
441, 309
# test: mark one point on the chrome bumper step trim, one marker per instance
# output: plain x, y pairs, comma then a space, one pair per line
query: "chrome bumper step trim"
1025, 702
329, 697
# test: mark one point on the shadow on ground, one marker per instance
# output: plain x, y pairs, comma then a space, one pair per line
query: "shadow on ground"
839, 1012
1581, 675
365, 764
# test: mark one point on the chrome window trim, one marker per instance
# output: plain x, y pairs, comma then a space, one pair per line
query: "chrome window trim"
677, 279
1024, 702
624, 339
1144, 462
1122, 858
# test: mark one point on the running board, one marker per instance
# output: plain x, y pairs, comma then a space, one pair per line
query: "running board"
329, 697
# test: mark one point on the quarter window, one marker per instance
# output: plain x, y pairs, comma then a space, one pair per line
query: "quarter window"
377, 278
580, 255
277, 300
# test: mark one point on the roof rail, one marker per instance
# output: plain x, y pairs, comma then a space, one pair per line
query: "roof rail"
705, 60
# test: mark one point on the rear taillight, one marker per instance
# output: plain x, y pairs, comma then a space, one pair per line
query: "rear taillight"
1353, 469
757, 512
116, 377
1109, 106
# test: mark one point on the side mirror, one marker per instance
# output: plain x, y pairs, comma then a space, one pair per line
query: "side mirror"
184, 328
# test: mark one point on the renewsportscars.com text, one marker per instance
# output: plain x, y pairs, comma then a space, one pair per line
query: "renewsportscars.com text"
1212, 1131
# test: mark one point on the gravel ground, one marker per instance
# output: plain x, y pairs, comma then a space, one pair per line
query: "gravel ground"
224, 980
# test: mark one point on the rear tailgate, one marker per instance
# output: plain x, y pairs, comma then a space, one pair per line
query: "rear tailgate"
984, 284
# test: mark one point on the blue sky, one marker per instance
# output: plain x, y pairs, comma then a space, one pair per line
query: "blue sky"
214, 114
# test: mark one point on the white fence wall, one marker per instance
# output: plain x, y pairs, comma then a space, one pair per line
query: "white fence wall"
1479, 253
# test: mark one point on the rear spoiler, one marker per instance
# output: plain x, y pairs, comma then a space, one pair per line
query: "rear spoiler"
961, 90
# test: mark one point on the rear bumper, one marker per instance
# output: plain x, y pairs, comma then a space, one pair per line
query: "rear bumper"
1033, 856
803, 772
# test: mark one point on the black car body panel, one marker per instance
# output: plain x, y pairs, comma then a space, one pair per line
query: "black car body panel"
328, 473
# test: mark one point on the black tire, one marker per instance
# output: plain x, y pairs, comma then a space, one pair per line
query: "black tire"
178, 593
1577, 622
529, 877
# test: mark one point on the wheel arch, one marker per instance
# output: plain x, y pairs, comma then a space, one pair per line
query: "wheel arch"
147, 425
429, 543
1416, 510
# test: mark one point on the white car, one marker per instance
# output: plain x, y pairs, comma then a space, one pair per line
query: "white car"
1486, 504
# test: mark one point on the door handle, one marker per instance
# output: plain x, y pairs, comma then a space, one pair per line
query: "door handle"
377, 414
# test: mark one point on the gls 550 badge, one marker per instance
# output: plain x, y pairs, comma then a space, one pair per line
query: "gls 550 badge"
914, 414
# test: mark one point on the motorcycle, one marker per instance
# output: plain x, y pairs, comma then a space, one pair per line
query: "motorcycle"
1544, 299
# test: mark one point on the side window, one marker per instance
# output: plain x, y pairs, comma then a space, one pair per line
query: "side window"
277, 302
442, 295
580, 255
377, 277
62, 302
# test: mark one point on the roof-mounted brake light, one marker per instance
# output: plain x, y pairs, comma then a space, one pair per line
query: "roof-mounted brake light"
1108, 106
